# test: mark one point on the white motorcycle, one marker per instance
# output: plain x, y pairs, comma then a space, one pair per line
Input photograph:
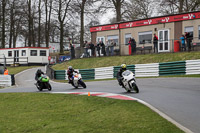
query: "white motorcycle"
128, 80
77, 80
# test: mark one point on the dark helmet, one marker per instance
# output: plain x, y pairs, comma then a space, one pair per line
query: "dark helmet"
39, 70
123, 66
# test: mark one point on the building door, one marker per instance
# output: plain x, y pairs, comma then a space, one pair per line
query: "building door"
163, 41
16, 56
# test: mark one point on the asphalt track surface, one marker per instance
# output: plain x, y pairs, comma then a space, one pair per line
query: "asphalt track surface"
179, 98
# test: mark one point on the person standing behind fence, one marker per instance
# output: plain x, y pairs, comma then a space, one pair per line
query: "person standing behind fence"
188, 38
5, 71
183, 42
91, 45
103, 49
98, 48
112, 44
86, 50
107, 47
72, 51
133, 46
155, 43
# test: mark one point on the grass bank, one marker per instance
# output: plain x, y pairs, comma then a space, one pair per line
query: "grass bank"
129, 60
56, 113
15, 70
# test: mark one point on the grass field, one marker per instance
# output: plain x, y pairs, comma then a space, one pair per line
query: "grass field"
61, 113
129, 60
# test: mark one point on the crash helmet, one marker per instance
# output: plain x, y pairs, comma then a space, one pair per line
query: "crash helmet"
70, 68
123, 66
39, 70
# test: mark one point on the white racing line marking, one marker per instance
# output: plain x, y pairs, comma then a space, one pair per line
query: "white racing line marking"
109, 95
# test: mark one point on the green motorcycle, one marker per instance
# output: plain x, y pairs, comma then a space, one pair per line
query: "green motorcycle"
43, 83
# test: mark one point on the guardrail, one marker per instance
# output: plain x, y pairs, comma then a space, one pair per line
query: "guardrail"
5, 80
140, 70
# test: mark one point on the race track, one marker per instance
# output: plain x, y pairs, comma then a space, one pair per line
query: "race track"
179, 98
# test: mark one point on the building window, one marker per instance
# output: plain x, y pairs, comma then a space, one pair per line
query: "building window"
199, 32
33, 52
9, 53
115, 39
42, 52
23, 52
145, 37
189, 30
127, 38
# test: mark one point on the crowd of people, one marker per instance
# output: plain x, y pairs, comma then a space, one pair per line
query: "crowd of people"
105, 49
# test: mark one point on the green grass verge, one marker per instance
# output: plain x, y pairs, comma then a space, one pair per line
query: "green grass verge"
61, 113
129, 60
15, 70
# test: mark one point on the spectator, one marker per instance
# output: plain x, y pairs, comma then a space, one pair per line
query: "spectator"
188, 38
183, 42
107, 47
72, 51
133, 46
86, 50
91, 45
112, 44
103, 48
98, 48
5, 71
155, 43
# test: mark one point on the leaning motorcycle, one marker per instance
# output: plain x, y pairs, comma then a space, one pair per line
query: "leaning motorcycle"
77, 80
43, 83
129, 82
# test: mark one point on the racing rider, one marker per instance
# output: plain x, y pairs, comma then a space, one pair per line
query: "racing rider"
119, 74
70, 74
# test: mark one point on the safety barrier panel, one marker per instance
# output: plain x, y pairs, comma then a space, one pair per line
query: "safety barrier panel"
192, 67
5, 80
172, 68
140, 70
59, 74
104, 73
147, 70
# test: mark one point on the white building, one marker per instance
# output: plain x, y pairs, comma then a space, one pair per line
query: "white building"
25, 55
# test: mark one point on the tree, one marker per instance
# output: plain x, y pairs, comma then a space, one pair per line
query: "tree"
61, 10
137, 9
48, 10
178, 6
3, 23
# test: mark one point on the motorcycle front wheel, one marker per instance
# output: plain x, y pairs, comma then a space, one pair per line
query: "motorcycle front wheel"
136, 89
82, 83
49, 87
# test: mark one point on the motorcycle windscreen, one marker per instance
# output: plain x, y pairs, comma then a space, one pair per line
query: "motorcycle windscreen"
126, 73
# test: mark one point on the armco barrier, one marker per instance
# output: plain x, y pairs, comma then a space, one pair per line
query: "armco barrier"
140, 70
5, 80
192, 67
104, 73
59, 74
87, 74
172, 68
147, 70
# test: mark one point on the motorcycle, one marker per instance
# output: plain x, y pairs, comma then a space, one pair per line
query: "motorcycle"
43, 83
77, 80
128, 80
